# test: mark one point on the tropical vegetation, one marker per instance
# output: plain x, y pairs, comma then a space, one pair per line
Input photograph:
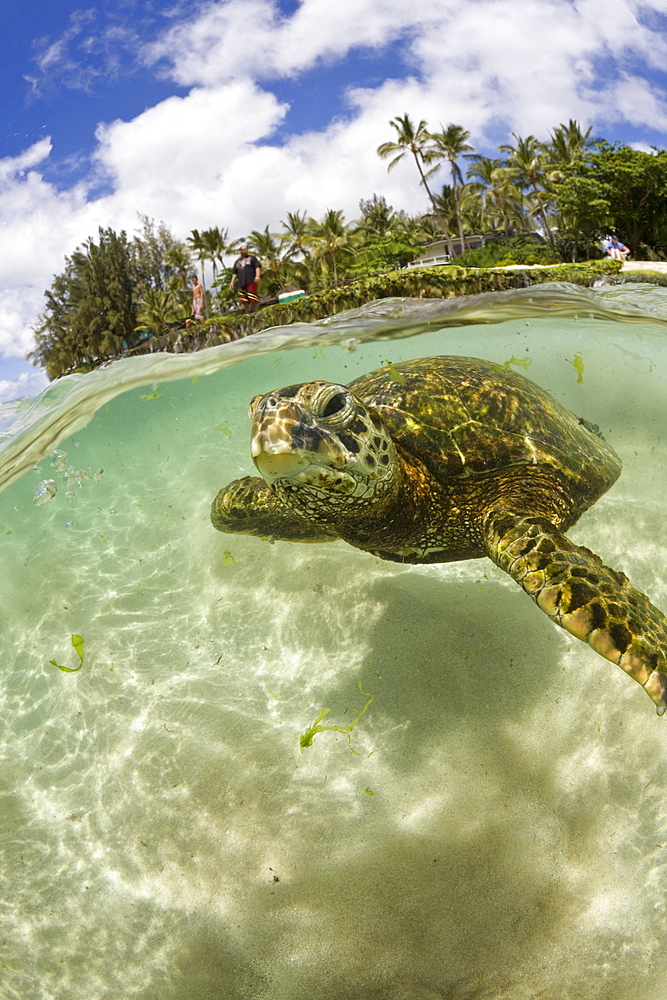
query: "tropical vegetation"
537, 202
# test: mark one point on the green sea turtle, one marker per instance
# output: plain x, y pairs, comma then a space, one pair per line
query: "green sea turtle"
442, 459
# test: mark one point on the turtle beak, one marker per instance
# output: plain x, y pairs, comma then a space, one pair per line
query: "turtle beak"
278, 464
271, 444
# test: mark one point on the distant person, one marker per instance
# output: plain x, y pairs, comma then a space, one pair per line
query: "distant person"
197, 299
616, 249
246, 272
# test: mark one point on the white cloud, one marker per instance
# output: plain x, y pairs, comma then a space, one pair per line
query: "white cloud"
15, 334
12, 166
227, 38
38, 226
218, 42
532, 65
637, 99
27, 384
213, 156
96, 45
642, 147
170, 161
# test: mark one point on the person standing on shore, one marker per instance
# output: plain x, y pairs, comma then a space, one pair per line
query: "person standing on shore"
246, 272
197, 299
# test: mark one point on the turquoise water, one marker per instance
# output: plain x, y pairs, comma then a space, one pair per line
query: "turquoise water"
501, 830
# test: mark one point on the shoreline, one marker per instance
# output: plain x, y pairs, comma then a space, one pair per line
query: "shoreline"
645, 265
654, 266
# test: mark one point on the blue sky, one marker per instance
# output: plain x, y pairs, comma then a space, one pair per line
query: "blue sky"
234, 112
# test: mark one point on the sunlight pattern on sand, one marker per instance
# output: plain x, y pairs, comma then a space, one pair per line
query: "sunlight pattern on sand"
501, 831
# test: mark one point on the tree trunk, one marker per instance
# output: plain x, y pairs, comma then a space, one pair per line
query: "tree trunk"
543, 216
459, 223
441, 221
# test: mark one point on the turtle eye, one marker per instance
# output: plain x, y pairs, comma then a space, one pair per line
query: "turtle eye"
334, 404
252, 408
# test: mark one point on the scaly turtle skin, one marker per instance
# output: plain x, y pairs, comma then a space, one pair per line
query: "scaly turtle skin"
443, 459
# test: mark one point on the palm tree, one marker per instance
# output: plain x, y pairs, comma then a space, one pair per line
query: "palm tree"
526, 163
158, 309
568, 143
330, 236
199, 248
471, 208
446, 202
178, 261
499, 196
297, 227
448, 144
414, 229
210, 244
582, 205
416, 140
216, 243
377, 218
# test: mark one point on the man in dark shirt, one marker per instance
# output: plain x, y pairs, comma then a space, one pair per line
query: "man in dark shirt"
246, 273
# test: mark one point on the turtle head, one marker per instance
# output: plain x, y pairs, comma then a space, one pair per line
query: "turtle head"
322, 451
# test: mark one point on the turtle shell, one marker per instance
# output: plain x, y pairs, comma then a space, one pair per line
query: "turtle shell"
464, 416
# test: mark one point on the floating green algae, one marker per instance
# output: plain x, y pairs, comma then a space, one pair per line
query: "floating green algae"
306, 739
77, 642
517, 362
395, 374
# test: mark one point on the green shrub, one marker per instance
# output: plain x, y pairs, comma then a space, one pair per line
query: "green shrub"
503, 252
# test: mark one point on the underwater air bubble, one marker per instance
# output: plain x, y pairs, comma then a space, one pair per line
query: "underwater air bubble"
74, 477
58, 460
45, 491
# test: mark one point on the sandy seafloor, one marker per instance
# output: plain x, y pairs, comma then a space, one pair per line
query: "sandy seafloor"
161, 835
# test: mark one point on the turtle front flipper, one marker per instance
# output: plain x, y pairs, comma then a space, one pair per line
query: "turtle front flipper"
248, 507
582, 595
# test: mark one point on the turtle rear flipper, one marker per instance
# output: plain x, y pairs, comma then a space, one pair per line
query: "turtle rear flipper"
248, 507
582, 595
